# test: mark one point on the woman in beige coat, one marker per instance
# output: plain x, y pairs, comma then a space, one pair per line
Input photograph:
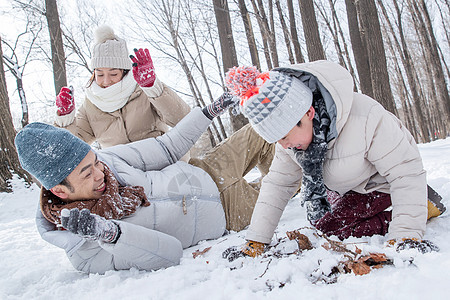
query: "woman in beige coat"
120, 108
360, 169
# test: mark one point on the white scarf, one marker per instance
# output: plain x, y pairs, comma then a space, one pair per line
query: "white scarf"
113, 97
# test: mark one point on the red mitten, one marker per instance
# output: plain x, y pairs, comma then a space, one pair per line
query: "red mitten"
143, 69
64, 101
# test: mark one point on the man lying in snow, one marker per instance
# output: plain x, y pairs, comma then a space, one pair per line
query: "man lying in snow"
136, 205
360, 170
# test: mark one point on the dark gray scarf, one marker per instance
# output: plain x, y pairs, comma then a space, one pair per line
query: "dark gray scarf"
313, 192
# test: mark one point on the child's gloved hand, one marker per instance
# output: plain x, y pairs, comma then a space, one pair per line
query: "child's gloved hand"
423, 246
250, 248
220, 105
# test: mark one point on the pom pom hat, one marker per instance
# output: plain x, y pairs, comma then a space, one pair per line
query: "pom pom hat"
272, 101
49, 153
109, 51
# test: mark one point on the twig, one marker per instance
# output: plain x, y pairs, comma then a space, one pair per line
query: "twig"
267, 267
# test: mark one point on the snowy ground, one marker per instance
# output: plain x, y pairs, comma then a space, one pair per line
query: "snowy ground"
30, 268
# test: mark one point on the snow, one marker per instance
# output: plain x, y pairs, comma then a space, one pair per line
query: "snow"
33, 269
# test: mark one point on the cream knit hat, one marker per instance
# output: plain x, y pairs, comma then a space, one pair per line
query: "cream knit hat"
109, 51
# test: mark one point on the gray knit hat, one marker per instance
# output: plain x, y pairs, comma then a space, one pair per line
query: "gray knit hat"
279, 104
109, 51
49, 153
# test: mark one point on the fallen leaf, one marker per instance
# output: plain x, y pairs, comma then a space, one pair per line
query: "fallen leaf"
198, 252
358, 267
302, 240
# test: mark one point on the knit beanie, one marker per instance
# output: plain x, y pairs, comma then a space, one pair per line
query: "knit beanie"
273, 102
49, 153
109, 51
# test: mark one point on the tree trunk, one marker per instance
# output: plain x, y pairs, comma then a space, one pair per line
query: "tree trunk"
264, 36
409, 68
8, 155
249, 33
311, 30
294, 35
430, 65
359, 49
58, 57
334, 33
229, 56
285, 32
341, 34
377, 56
267, 31
200, 65
14, 68
441, 85
272, 36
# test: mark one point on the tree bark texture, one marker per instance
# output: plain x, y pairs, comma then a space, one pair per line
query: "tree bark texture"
377, 56
311, 30
294, 35
287, 39
359, 49
249, 34
441, 85
58, 57
264, 37
8, 156
229, 56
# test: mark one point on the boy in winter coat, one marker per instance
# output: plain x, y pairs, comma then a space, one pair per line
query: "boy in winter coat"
360, 170
120, 107
137, 205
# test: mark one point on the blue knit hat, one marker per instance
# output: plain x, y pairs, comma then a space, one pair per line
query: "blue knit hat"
49, 153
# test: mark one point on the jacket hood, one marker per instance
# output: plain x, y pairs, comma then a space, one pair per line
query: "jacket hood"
337, 81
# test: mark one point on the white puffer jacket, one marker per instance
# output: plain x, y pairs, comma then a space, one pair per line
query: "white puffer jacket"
372, 152
185, 205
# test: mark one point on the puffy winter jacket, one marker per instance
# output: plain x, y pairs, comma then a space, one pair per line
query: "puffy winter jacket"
185, 205
373, 151
146, 114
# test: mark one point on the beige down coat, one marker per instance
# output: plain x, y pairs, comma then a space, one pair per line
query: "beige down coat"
372, 152
146, 114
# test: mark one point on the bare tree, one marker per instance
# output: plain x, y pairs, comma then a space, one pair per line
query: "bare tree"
17, 69
433, 69
198, 63
338, 28
78, 36
286, 34
249, 33
229, 56
272, 34
8, 155
404, 53
267, 33
58, 57
294, 35
311, 30
436, 64
377, 56
359, 49
334, 32
264, 34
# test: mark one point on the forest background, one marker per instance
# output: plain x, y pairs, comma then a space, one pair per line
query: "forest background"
396, 51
